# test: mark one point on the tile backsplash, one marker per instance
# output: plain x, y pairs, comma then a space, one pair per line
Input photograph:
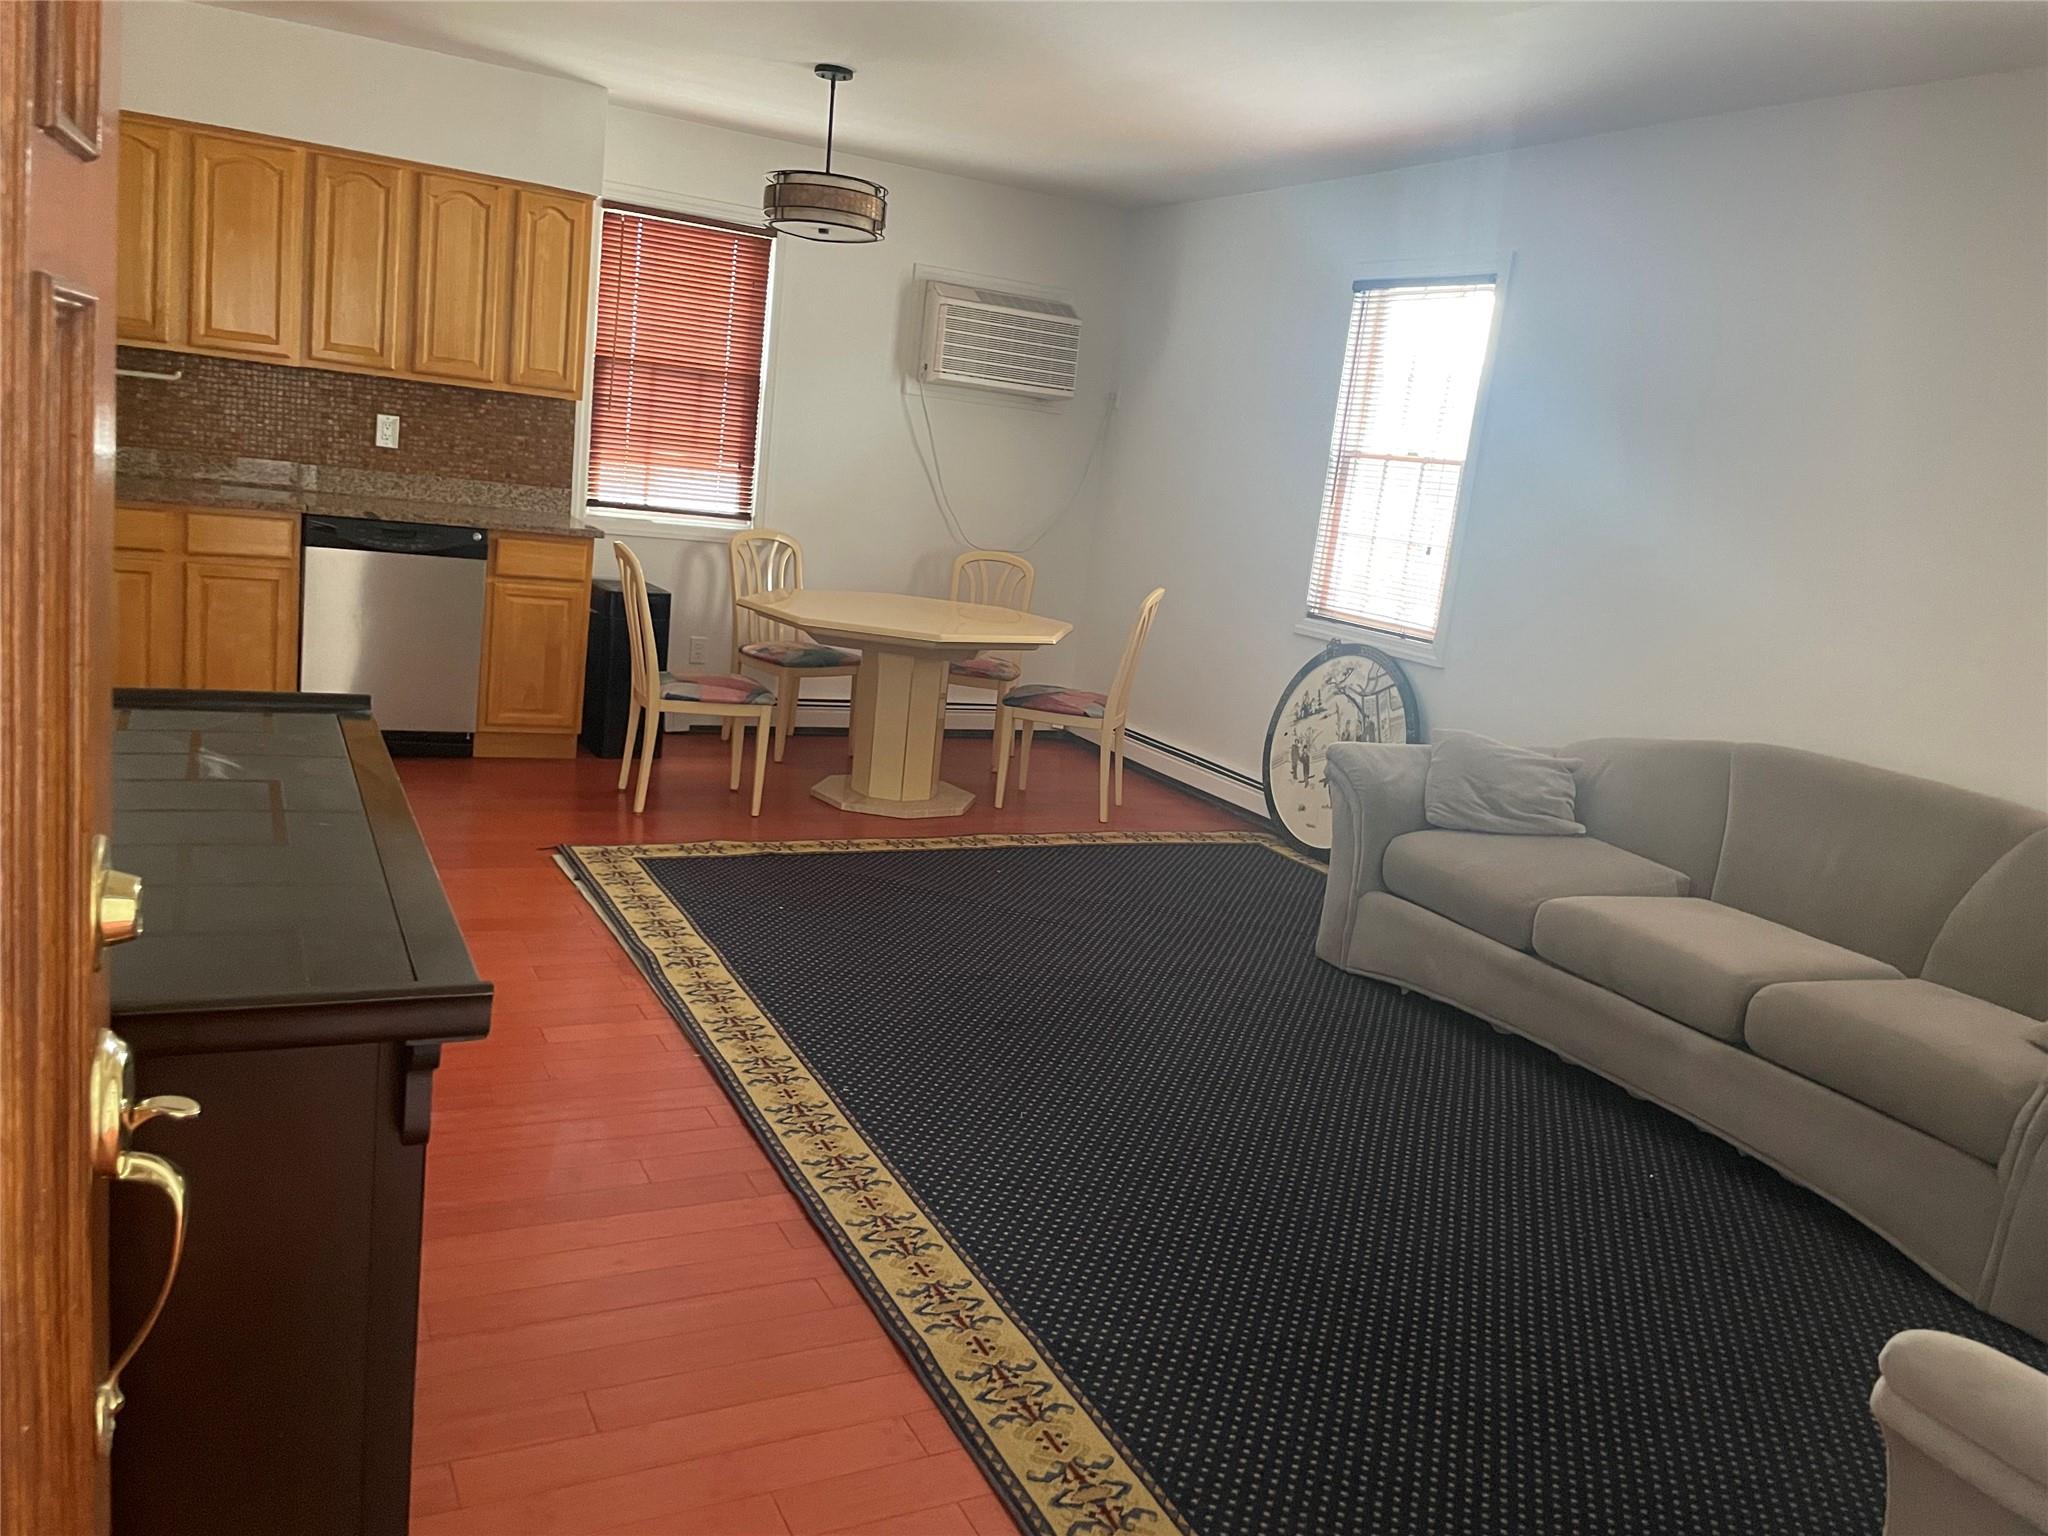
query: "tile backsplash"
221, 411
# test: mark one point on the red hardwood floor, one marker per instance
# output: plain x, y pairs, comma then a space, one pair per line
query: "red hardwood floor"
627, 1323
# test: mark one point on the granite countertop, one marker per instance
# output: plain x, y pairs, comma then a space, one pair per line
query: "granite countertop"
141, 490
168, 477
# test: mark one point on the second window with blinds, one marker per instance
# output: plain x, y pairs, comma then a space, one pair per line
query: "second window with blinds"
1413, 369
675, 400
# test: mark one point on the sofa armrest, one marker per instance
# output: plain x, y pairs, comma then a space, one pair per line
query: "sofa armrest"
1966, 1437
1375, 796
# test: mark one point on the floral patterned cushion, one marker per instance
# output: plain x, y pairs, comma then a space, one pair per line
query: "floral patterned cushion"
788, 653
1054, 699
995, 669
714, 688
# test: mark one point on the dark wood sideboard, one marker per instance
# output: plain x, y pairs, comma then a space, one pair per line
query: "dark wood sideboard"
298, 973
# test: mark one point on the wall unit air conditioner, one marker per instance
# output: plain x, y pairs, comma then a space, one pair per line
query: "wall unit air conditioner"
1011, 342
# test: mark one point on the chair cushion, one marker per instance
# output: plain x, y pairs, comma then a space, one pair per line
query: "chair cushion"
714, 688
790, 653
1695, 961
1493, 883
1055, 700
1944, 1062
995, 669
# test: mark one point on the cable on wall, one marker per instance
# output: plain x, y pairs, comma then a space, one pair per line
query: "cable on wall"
935, 477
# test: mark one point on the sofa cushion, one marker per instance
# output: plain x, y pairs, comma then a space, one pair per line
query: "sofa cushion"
1694, 961
1993, 944
1493, 883
1942, 1061
1855, 855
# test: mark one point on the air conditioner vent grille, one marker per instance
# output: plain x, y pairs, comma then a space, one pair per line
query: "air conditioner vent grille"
1005, 341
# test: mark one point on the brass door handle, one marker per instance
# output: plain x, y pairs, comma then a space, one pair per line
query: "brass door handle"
142, 1168
113, 1118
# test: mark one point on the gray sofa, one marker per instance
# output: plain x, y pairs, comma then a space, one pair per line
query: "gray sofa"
1842, 971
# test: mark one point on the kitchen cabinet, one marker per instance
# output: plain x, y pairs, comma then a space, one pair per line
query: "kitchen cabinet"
550, 283
248, 246
149, 635
242, 245
458, 284
358, 261
536, 624
206, 599
152, 203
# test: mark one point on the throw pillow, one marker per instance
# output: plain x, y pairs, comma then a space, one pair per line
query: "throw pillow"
1476, 784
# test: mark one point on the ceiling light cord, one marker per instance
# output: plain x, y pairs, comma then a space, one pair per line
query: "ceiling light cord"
831, 111
935, 477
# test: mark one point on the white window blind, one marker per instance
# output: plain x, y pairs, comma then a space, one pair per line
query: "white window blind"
1397, 454
676, 391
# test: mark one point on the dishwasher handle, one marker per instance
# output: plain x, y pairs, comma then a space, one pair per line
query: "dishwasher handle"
377, 536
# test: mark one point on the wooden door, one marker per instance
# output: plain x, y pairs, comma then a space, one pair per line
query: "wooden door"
359, 217
150, 260
550, 288
459, 281
241, 625
57, 326
248, 246
149, 619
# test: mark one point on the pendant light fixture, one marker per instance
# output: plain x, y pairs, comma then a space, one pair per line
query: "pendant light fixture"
821, 205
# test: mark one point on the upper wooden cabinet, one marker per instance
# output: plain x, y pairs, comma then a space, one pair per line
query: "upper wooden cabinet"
359, 251
248, 215
550, 282
458, 283
262, 248
152, 203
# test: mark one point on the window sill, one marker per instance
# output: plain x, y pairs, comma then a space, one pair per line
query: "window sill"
648, 525
1424, 653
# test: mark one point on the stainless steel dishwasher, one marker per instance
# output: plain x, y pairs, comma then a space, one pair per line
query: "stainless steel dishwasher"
396, 610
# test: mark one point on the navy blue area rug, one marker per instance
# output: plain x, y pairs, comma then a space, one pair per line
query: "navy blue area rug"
1189, 1231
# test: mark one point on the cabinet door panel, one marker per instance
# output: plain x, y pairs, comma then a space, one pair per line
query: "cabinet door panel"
459, 287
241, 625
550, 282
248, 246
149, 255
534, 633
149, 620
358, 244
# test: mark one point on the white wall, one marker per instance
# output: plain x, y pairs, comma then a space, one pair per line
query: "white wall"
840, 468
1763, 457
299, 82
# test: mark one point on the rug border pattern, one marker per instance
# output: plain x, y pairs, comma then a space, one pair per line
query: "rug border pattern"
1063, 1469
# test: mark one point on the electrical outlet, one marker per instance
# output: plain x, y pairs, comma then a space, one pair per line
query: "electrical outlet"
700, 650
387, 431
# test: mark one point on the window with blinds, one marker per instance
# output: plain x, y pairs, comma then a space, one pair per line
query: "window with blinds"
676, 387
1397, 454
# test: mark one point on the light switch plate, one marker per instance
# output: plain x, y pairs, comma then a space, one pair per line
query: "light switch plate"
387, 431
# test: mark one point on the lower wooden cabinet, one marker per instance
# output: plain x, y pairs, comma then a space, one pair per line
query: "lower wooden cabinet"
149, 627
536, 623
206, 599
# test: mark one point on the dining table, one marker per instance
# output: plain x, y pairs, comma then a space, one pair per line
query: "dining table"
906, 645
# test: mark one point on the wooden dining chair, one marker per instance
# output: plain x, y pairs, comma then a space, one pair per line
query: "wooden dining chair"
1031, 705
996, 580
727, 696
785, 656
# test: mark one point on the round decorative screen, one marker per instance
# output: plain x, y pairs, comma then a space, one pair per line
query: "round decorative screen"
1348, 693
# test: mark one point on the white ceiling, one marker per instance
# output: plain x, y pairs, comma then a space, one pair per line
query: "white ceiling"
1138, 102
